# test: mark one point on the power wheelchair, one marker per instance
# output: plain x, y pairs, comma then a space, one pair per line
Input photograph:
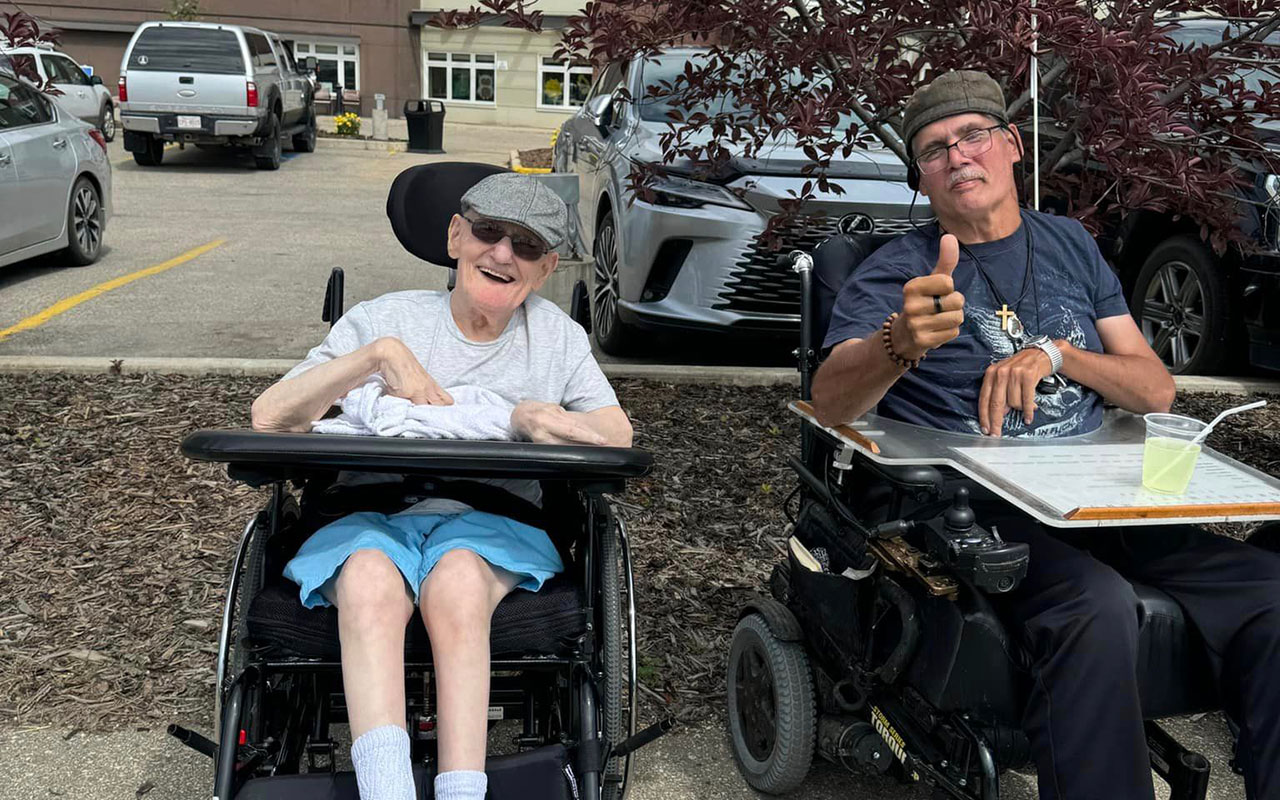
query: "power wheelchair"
563, 659
878, 646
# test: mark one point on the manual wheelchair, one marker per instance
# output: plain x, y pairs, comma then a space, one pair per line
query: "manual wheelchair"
563, 659
878, 646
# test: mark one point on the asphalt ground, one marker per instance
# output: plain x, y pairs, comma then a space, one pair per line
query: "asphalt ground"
238, 258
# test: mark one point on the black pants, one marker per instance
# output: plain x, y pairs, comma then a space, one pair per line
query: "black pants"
1078, 617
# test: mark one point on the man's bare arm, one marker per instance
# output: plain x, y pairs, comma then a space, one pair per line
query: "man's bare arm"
852, 380
1127, 373
292, 405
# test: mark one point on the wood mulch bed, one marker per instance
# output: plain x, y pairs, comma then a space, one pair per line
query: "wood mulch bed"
116, 549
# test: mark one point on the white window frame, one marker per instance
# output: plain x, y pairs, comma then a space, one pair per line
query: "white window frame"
448, 65
569, 69
342, 57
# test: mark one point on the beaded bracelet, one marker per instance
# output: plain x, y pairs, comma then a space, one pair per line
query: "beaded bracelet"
887, 337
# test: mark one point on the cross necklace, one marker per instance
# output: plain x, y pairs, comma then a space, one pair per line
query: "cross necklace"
1010, 325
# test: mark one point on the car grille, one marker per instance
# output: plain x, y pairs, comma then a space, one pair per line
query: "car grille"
761, 286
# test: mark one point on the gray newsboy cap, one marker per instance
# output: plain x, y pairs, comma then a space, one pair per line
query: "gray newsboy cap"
960, 92
522, 200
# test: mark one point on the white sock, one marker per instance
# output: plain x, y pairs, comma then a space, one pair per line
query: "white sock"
461, 784
383, 768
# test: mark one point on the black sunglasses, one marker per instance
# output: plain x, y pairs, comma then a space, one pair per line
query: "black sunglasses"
526, 248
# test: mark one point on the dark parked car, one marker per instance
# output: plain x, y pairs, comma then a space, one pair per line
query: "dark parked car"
1204, 313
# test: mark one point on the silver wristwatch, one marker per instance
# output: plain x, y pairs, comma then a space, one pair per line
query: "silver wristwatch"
1045, 344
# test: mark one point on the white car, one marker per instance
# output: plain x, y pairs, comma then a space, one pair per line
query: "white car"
84, 96
55, 177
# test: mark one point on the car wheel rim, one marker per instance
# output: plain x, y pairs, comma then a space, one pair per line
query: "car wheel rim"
1173, 314
88, 225
606, 290
753, 691
109, 124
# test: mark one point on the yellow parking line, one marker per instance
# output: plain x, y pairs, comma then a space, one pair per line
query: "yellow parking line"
36, 320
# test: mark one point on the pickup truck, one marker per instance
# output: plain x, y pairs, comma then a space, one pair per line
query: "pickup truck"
210, 84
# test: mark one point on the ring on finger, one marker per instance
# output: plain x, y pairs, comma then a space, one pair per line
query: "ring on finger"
937, 304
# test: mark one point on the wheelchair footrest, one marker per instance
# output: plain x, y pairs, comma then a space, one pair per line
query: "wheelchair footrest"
542, 774
1185, 771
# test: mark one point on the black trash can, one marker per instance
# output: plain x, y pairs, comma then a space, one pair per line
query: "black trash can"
425, 120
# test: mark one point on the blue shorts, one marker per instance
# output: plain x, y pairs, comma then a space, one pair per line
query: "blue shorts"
415, 542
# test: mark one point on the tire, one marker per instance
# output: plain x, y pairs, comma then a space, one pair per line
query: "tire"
305, 142
772, 737
1180, 301
107, 122
84, 223
252, 579
614, 336
613, 656
267, 155
153, 155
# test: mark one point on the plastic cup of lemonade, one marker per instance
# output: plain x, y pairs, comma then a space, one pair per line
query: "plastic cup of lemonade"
1169, 456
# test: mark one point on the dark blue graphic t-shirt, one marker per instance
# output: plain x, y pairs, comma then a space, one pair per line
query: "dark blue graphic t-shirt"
1073, 288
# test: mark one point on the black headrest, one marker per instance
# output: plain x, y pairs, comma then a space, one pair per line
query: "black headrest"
833, 262
424, 198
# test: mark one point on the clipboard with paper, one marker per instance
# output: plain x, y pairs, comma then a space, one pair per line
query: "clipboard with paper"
1094, 480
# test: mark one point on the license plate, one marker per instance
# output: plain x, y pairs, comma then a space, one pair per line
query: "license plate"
189, 122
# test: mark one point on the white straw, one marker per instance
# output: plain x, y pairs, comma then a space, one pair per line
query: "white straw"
1246, 407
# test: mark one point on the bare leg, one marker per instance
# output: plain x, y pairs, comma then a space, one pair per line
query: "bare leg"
458, 597
374, 606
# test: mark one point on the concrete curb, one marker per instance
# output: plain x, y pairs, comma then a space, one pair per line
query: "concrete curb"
669, 373
379, 145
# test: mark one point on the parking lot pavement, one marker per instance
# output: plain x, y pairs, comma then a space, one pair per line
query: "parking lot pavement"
259, 293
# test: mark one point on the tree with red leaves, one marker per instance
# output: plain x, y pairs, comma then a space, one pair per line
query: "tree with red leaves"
20, 29
1142, 122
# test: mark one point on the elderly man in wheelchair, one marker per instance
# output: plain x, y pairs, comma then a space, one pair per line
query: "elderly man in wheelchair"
505, 550
951, 633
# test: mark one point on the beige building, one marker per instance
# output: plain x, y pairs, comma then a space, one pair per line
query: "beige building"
501, 76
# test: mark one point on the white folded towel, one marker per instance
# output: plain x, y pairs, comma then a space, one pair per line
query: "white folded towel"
367, 410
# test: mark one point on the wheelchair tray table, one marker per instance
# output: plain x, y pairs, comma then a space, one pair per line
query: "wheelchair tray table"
263, 457
1092, 480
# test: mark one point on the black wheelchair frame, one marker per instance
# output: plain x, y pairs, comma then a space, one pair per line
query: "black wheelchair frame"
902, 664
562, 663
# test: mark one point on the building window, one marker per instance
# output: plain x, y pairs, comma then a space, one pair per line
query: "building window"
462, 77
563, 84
336, 64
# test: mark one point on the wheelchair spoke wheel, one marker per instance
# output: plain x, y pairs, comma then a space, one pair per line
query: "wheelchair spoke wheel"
613, 646
772, 717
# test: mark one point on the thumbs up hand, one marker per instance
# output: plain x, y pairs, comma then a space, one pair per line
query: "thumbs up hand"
932, 310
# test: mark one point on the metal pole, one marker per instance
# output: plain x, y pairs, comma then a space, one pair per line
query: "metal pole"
1035, 108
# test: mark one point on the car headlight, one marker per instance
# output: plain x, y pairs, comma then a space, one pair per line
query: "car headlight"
672, 190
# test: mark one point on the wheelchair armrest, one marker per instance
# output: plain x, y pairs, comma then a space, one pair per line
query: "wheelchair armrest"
910, 477
257, 457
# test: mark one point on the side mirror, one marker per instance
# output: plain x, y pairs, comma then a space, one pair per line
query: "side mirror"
598, 109
95, 80
309, 64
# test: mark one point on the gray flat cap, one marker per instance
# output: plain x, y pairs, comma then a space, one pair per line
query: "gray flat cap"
519, 199
960, 92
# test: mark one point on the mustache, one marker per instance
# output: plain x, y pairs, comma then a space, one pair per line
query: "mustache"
966, 174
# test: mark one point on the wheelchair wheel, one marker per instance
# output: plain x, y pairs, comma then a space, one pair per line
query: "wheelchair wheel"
772, 718
612, 650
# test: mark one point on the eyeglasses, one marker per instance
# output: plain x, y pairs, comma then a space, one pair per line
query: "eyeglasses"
971, 144
526, 248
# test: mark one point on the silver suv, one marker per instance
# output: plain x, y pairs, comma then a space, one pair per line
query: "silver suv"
691, 259
210, 84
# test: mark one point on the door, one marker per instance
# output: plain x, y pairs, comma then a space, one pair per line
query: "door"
588, 145
291, 83
78, 96
8, 188
43, 163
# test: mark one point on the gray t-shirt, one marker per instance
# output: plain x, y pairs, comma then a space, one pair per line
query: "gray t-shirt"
543, 355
